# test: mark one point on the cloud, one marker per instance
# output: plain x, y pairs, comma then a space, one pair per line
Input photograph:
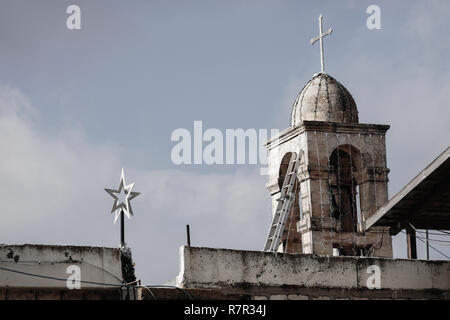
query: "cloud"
52, 192
42, 176
52, 183
414, 102
223, 210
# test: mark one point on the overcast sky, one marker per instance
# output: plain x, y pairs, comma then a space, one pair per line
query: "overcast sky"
78, 105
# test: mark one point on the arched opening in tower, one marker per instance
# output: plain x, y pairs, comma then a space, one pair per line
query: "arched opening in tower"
291, 240
344, 180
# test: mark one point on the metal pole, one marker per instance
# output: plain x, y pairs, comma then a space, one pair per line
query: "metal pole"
427, 244
411, 242
122, 229
188, 235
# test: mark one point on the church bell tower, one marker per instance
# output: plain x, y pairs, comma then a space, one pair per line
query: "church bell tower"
342, 175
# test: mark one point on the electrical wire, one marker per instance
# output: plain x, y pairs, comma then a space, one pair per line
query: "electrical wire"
370, 249
435, 249
151, 293
436, 234
172, 287
435, 240
59, 279
98, 283
430, 246
27, 262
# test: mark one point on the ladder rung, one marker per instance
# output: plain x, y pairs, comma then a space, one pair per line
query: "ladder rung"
286, 198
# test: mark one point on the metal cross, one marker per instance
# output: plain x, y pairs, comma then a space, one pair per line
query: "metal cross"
320, 37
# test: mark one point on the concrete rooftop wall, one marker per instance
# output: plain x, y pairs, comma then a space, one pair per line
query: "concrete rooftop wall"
219, 268
97, 264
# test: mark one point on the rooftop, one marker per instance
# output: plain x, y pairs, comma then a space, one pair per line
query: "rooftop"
423, 202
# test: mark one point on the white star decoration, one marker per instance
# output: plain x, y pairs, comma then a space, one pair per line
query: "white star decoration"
124, 206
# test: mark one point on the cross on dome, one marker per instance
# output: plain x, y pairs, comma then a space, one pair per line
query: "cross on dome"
320, 39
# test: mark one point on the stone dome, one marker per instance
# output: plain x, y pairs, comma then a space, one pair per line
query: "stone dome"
324, 99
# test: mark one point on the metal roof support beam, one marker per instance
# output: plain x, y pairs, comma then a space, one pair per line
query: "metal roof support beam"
411, 242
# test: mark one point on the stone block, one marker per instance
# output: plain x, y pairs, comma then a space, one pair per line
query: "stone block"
297, 297
278, 297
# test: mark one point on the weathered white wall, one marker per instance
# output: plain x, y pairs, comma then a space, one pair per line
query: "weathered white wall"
97, 264
216, 268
